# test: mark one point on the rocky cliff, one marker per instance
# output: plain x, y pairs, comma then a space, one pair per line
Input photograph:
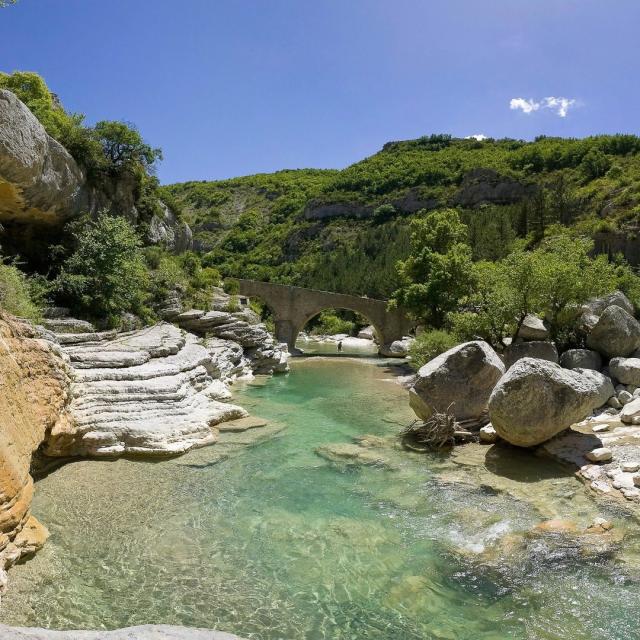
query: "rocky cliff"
42, 186
34, 398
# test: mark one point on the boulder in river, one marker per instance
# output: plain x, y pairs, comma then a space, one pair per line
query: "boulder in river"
617, 333
462, 378
537, 399
581, 359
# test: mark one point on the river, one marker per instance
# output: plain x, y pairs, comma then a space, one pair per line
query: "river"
269, 540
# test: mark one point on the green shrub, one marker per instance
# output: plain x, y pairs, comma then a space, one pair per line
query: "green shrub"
430, 344
18, 294
328, 324
106, 274
231, 286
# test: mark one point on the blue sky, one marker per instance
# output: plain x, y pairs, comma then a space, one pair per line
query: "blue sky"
233, 87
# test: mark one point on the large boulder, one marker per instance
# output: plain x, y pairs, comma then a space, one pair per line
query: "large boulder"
625, 370
39, 180
462, 378
397, 348
593, 309
534, 349
581, 359
616, 333
537, 399
533, 328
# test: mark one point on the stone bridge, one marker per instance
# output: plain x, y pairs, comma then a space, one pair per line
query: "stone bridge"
293, 307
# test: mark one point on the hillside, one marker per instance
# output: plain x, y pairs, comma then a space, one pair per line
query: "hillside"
345, 230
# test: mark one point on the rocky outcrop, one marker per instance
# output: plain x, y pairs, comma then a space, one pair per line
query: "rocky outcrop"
151, 392
166, 230
39, 180
35, 394
461, 378
616, 333
534, 349
480, 186
264, 354
42, 186
144, 632
537, 399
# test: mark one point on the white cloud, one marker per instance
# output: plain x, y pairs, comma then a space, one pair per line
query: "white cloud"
527, 106
560, 105
476, 136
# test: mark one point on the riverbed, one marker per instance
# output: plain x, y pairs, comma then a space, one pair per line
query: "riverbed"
267, 539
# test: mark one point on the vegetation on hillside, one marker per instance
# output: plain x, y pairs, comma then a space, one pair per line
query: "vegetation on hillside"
265, 227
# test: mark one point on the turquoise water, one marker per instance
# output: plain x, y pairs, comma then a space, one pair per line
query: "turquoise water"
270, 540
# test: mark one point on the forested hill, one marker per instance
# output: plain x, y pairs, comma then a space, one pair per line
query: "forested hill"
345, 230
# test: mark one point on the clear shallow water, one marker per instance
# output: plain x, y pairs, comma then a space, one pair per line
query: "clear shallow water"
276, 542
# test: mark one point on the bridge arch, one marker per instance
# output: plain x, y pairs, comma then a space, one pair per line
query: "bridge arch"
293, 307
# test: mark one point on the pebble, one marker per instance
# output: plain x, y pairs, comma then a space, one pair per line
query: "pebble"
630, 467
601, 454
600, 523
614, 403
599, 428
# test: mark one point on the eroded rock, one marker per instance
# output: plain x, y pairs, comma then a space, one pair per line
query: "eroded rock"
537, 399
461, 378
616, 333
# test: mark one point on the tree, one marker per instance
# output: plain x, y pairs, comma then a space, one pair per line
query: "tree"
438, 272
123, 145
106, 275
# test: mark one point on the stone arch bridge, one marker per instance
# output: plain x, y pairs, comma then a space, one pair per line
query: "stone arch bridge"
293, 307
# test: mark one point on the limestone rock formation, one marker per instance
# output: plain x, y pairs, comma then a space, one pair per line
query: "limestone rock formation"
581, 359
42, 186
39, 180
144, 632
534, 349
482, 185
35, 393
148, 392
263, 352
537, 399
616, 333
168, 231
462, 378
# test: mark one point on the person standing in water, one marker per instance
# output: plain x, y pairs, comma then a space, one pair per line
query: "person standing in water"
340, 346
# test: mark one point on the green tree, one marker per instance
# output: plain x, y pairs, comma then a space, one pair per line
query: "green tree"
123, 145
106, 275
438, 272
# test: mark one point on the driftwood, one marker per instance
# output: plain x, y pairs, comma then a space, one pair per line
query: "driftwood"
438, 432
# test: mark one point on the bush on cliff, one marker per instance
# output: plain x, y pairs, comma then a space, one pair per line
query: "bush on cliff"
106, 274
18, 294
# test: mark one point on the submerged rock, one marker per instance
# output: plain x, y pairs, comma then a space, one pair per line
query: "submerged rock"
144, 632
536, 400
462, 378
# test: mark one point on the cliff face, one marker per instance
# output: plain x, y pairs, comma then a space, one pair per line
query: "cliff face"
42, 187
34, 393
